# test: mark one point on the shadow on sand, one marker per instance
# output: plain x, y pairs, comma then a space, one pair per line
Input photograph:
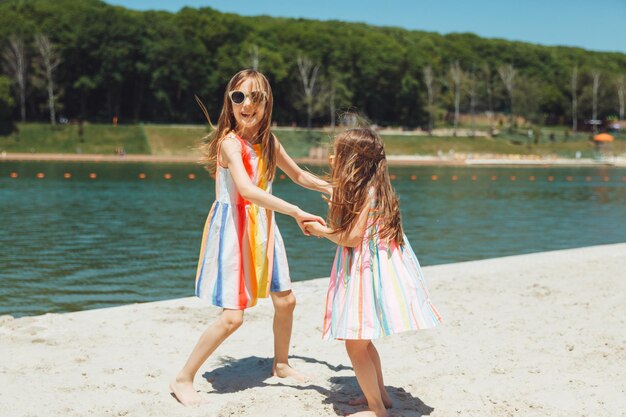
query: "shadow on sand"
241, 374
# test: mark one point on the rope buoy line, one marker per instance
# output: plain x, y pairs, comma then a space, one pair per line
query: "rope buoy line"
393, 177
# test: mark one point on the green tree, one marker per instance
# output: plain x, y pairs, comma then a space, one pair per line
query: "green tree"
149, 65
6, 98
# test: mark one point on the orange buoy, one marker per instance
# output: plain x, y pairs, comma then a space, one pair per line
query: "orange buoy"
13, 175
474, 177
587, 178
550, 178
167, 176
414, 177
392, 177
191, 176
494, 177
41, 175
606, 179
142, 176
569, 178
434, 177
67, 175
513, 178
282, 176
93, 175
455, 177
603, 137
532, 178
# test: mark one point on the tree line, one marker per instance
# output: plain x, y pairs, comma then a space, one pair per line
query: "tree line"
87, 60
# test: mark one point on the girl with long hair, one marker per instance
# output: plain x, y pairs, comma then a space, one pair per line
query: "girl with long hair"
376, 284
242, 257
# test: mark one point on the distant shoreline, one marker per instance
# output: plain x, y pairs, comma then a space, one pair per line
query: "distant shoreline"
394, 160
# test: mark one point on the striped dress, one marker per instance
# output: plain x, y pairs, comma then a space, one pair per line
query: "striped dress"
376, 289
242, 257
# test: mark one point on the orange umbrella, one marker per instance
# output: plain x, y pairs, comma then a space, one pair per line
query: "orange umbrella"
603, 137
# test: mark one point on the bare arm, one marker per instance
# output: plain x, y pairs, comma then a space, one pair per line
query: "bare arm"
350, 239
298, 175
231, 154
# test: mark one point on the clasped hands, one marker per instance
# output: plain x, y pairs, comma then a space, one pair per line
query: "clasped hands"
315, 229
311, 224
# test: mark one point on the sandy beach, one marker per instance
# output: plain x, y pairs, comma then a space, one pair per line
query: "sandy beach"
531, 335
393, 160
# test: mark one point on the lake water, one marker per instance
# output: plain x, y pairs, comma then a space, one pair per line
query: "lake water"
81, 243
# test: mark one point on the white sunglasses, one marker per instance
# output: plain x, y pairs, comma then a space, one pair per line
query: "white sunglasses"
238, 97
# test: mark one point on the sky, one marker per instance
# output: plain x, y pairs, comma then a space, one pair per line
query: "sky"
598, 25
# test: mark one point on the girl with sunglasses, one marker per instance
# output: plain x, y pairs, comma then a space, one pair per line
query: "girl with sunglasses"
376, 284
242, 257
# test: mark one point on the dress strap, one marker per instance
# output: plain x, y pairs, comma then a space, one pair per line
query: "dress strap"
371, 193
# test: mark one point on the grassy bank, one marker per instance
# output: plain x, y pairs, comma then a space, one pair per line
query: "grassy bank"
94, 138
183, 140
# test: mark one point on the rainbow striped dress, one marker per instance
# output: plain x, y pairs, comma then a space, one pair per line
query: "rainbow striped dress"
242, 257
376, 289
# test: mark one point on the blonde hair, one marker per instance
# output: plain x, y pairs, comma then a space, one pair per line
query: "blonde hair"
360, 165
226, 123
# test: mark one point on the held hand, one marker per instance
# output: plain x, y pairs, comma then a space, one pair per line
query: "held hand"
302, 217
315, 228
308, 228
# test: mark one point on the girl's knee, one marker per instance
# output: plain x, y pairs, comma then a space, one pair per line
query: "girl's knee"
290, 302
285, 303
231, 319
355, 346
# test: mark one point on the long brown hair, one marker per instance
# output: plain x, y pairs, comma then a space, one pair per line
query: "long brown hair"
227, 122
359, 165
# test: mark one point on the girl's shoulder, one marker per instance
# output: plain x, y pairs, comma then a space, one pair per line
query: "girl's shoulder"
231, 138
228, 143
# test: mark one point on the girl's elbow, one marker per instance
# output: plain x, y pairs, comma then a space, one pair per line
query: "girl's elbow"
300, 179
247, 193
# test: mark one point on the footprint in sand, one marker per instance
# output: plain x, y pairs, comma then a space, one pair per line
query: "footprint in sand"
6, 320
540, 291
82, 359
154, 374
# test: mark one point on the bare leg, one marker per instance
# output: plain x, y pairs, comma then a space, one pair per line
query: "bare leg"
211, 338
366, 375
284, 304
371, 350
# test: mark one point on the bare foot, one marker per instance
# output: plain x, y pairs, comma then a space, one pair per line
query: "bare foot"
283, 370
185, 393
363, 401
367, 414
